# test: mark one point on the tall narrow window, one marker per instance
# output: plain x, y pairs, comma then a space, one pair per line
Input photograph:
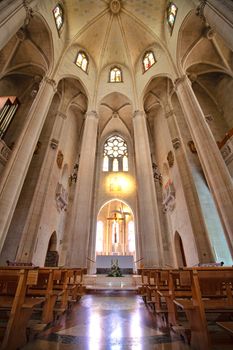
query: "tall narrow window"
58, 16
148, 60
105, 163
171, 15
125, 163
100, 237
115, 75
115, 166
115, 154
82, 61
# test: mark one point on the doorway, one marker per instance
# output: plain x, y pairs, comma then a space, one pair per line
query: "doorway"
179, 248
52, 255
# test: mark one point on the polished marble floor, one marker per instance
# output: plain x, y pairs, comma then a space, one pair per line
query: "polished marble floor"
108, 321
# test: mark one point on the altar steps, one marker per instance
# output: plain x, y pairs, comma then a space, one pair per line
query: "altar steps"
105, 283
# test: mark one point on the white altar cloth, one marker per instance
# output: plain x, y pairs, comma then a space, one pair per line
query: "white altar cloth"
124, 261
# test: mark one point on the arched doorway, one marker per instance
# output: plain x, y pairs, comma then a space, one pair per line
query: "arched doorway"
52, 256
180, 255
115, 230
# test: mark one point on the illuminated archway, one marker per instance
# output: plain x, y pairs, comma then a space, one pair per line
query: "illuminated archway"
115, 229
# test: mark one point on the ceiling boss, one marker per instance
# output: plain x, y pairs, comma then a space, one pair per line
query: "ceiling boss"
115, 6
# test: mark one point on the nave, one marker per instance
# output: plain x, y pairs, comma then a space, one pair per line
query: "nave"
114, 321
107, 321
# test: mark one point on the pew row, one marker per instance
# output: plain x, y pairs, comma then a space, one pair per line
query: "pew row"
194, 291
28, 290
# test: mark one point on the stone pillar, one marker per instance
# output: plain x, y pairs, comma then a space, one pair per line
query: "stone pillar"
196, 218
149, 225
83, 198
14, 173
13, 16
219, 15
31, 230
213, 165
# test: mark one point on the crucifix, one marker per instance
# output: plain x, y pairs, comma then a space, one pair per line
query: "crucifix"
115, 220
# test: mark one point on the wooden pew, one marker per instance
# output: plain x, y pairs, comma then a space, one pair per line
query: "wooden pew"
211, 291
145, 273
78, 280
48, 278
15, 301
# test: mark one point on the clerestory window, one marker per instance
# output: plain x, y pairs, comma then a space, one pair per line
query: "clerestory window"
148, 60
58, 16
115, 75
82, 61
171, 15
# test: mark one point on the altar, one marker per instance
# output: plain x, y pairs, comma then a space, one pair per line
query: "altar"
104, 262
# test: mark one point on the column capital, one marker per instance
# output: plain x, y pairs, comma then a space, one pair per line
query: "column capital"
51, 82
200, 9
139, 113
181, 80
91, 114
169, 113
61, 114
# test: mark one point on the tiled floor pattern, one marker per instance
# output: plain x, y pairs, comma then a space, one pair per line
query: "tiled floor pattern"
108, 322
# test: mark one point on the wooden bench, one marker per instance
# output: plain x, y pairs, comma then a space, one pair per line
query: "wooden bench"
227, 326
48, 279
15, 302
211, 291
145, 273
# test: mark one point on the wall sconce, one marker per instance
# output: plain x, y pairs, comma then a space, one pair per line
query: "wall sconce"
73, 177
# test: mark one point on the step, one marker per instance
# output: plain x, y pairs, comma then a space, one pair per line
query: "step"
127, 282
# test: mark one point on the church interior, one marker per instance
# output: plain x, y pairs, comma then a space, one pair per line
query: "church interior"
116, 159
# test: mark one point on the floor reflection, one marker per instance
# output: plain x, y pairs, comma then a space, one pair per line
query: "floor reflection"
107, 322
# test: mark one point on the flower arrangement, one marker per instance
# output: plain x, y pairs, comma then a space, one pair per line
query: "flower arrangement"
115, 270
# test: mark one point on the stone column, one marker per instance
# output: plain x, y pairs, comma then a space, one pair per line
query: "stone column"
83, 198
14, 173
219, 15
31, 230
14, 15
196, 218
213, 165
149, 225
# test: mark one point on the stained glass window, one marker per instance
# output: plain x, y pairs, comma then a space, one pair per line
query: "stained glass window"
58, 16
82, 61
115, 154
148, 60
100, 237
171, 15
115, 75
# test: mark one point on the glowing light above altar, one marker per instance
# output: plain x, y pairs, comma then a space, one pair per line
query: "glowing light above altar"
120, 183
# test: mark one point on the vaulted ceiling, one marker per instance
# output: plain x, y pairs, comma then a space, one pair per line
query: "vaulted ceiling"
115, 31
